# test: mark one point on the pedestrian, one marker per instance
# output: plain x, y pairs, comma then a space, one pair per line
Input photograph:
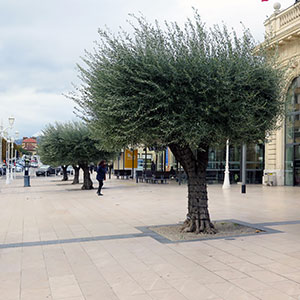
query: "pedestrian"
172, 172
153, 167
91, 168
101, 171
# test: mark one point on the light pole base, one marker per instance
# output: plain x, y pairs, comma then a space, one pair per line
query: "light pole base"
243, 188
226, 183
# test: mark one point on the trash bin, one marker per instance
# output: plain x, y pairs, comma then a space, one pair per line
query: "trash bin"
271, 179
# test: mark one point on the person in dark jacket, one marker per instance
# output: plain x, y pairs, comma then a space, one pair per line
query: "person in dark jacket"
153, 167
101, 171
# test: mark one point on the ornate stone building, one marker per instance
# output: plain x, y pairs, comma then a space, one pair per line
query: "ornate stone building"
282, 151
29, 144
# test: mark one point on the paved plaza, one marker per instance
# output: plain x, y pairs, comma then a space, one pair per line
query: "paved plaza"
58, 242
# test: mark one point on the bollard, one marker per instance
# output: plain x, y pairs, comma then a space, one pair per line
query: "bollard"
26, 173
26, 181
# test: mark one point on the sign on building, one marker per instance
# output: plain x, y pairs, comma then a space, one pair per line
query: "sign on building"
128, 159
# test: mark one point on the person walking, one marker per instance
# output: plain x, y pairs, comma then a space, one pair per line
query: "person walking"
153, 167
101, 171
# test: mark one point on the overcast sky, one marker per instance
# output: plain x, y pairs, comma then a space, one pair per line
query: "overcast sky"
42, 40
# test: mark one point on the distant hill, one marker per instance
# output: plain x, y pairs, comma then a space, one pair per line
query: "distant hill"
19, 141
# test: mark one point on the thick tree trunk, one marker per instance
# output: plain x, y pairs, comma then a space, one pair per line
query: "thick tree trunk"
65, 174
87, 182
76, 175
195, 164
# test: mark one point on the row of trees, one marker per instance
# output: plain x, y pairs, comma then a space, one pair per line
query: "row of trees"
187, 88
64, 144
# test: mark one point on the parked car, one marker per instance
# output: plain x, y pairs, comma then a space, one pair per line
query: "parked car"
70, 171
57, 170
19, 168
2, 171
33, 164
45, 170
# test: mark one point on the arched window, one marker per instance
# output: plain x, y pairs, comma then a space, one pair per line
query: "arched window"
292, 134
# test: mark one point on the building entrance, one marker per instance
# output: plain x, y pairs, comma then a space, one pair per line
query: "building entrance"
292, 135
297, 165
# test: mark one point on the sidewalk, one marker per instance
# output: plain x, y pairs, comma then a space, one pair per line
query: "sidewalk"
58, 242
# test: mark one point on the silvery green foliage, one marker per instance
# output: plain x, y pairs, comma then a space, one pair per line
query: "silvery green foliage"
186, 86
50, 148
70, 144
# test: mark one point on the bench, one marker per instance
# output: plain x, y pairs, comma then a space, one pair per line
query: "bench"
160, 176
139, 176
122, 173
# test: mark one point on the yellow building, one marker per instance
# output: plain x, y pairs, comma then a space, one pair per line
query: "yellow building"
282, 151
143, 159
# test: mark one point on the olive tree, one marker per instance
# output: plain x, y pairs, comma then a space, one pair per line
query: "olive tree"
187, 88
70, 144
51, 148
82, 150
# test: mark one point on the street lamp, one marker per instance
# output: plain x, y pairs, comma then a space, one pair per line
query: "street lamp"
226, 183
14, 156
244, 165
11, 121
7, 158
3, 133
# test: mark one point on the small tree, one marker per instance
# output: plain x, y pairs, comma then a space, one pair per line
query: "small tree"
70, 144
186, 88
52, 148
83, 150
23, 151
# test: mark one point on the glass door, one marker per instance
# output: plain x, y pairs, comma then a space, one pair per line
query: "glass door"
297, 165
292, 134
289, 165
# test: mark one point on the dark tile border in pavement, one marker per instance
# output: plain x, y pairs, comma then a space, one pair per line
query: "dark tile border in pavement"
147, 232
278, 223
74, 240
264, 230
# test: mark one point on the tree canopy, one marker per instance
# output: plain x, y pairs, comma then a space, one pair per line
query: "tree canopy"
52, 148
70, 144
184, 87
179, 85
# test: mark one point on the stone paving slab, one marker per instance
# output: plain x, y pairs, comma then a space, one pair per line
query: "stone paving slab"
60, 243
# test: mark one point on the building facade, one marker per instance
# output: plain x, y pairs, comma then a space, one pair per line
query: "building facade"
29, 144
282, 149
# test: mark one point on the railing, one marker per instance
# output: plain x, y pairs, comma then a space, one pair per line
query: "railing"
290, 15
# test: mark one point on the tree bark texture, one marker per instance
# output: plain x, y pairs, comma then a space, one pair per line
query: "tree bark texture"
194, 164
87, 182
76, 175
65, 174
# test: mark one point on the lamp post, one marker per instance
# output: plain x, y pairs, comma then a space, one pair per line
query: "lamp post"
3, 133
11, 154
244, 165
7, 158
226, 183
14, 156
